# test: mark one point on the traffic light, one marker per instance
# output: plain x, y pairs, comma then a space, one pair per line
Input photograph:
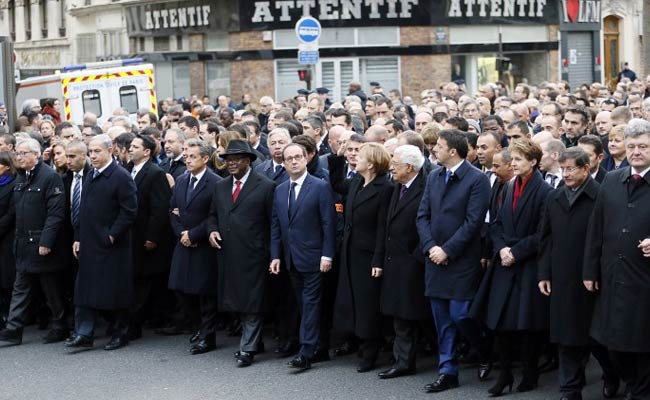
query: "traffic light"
304, 75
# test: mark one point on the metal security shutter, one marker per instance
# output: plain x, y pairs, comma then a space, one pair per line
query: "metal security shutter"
382, 70
580, 65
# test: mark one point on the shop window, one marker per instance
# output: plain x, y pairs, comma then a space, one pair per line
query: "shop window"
217, 40
341, 37
129, 98
91, 102
181, 79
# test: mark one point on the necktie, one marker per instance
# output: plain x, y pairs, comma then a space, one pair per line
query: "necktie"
76, 198
278, 170
235, 193
551, 180
134, 172
635, 181
292, 196
95, 173
190, 189
351, 174
448, 176
402, 191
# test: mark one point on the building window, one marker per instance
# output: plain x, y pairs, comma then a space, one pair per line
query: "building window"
342, 37
161, 43
217, 40
179, 42
141, 42
218, 79
86, 47
181, 79
129, 98
91, 102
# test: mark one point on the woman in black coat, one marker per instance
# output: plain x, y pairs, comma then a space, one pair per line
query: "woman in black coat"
508, 299
7, 228
362, 254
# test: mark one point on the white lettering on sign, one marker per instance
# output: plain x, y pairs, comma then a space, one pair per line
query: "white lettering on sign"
177, 17
335, 9
496, 8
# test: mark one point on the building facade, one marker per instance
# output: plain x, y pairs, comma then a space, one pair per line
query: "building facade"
622, 38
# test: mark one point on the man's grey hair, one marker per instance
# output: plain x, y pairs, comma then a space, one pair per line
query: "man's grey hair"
279, 131
32, 144
104, 139
636, 128
505, 155
204, 148
410, 155
182, 137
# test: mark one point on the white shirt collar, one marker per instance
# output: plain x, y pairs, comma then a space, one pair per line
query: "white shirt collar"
137, 168
409, 183
199, 176
180, 156
642, 173
455, 167
102, 169
322, 139
300, 180
243, 178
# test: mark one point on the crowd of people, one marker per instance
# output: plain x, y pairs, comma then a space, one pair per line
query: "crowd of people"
499, 229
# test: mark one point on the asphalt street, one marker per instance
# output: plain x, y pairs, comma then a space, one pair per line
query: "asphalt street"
161, 368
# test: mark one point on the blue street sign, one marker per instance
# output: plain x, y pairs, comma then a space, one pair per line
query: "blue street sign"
308, 30
308, 57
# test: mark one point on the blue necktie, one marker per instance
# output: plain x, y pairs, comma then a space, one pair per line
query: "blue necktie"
448, 176
76, 198
351, 174
190, 189
95, 173
292, 196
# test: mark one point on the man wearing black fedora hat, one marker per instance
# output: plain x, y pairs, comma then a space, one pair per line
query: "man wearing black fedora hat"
239, 227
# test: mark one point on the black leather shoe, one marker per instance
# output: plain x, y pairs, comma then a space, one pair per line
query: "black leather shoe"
116, 343
203, 346
244, 359
13, 336
484, 370
444, 382
300, 362
345, 349
395, 373
78, 341
195, 337
610, 387
320, 355
55, 336
287, 349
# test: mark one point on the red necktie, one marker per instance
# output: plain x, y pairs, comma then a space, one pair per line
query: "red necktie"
235, 194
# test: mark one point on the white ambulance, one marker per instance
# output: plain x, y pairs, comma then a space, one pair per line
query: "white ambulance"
98, 88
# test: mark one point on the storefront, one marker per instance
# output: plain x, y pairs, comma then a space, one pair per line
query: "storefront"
217, 46
580, 24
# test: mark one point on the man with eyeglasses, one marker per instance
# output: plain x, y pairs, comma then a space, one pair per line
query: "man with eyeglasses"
39, 207
562, 245
303, 231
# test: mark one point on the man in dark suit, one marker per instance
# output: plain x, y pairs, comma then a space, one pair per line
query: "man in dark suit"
449, 221
273, 168
561, 255
151, 234
304, 231
313, 127
240, 223
402, 292
194, 268
593, 146
617, 263
255, 138
38, 205
174, 163
103, 246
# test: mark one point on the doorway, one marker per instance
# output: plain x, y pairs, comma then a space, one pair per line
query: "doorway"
612, 56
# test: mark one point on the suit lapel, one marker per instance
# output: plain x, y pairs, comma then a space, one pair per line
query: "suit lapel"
142, 173
199, 187
368, 192
530, 188
412, 193
245, 190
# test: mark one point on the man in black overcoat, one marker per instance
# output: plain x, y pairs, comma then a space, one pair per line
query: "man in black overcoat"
562, 240
174, 163
402, 291
194, 264
617, 263
240, 228
39, 206
103, 246
151, 236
